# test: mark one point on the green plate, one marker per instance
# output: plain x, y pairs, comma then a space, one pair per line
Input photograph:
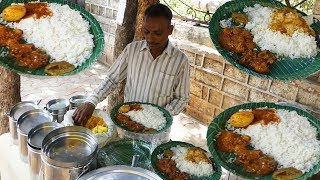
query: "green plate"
114, 112
218, 124
159, 150
287, 68
95, 30
121, 153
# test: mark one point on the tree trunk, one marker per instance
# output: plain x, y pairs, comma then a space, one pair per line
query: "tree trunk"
143, 5
10, 95
124, 36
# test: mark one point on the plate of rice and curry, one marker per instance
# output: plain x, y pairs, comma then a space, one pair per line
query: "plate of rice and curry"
141, 118
48, 38
266, 141
177, 160
266, 39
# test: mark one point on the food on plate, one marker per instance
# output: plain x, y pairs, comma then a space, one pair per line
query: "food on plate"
13, 12
227, 141
271, 27
286, 174
143, 118
66, 36
254, 161
96, 125
241, 119
239, 18
58, 68
287, 21
259, 62
285, 136
240, 41
236, 39
124, 109
27, 55
37, 10
182, 162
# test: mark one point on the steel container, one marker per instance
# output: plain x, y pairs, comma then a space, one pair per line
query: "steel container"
58, 108
68, 153
120, 172
35, 138
14, 114
25, 123
76, 101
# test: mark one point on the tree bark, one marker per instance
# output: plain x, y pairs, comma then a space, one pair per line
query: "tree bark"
124, 36
10, 95
143, 5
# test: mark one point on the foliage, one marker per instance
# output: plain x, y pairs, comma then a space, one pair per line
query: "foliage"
183, 8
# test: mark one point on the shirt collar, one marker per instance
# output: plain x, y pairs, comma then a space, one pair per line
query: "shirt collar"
168, 50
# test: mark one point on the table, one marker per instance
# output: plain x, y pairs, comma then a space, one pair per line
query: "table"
11, 166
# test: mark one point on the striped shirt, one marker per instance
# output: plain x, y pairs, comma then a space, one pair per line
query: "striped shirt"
163, 81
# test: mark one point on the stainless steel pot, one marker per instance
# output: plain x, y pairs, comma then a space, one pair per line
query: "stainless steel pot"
58, 108
25, 123
76, 101
120, 172
35, 138
14, 114
68, 153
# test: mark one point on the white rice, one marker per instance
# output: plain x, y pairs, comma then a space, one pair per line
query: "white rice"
300, 45
150, 117
201, 169
292, 142
64, 36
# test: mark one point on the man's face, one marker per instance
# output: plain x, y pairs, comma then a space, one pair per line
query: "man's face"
156, 31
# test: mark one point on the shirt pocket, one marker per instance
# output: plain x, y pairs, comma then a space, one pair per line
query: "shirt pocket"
166, 82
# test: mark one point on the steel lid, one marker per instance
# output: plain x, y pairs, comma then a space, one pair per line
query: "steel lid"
120, 172
58, 106
38, 133
31, 119
20, 108
70, 146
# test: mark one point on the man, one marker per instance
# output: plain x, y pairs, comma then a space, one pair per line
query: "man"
155, 71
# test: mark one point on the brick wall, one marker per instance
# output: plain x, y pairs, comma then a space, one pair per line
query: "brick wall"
105, 11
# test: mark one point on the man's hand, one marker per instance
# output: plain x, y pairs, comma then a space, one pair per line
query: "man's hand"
83, 113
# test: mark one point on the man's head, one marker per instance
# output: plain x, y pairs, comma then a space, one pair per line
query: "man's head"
157, 26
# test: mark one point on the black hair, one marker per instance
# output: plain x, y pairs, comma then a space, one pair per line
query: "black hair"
158, 10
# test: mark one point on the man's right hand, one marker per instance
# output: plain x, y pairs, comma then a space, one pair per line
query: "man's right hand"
83, 113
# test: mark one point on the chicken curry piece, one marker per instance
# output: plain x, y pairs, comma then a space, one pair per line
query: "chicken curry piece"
265, 116
259, 62
254, 161
37, 10
196, 155
236, 39
169, 168
27, 55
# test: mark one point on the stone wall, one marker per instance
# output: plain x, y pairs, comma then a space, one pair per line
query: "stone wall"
215, 84
105, 11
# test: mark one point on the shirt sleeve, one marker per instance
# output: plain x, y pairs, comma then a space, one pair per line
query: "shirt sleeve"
181, 91
116, 73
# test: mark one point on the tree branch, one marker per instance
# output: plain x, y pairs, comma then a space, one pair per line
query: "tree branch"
288, 3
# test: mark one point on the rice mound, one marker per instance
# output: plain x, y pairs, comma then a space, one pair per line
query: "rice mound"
300, 45
292, 142
201, 169
64, 36
150, 117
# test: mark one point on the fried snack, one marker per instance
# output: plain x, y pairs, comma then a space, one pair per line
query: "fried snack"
287, 21
241, 119
58, 68
97, 125
239, 18
124, 109
286, 174
236, 39
14, 12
